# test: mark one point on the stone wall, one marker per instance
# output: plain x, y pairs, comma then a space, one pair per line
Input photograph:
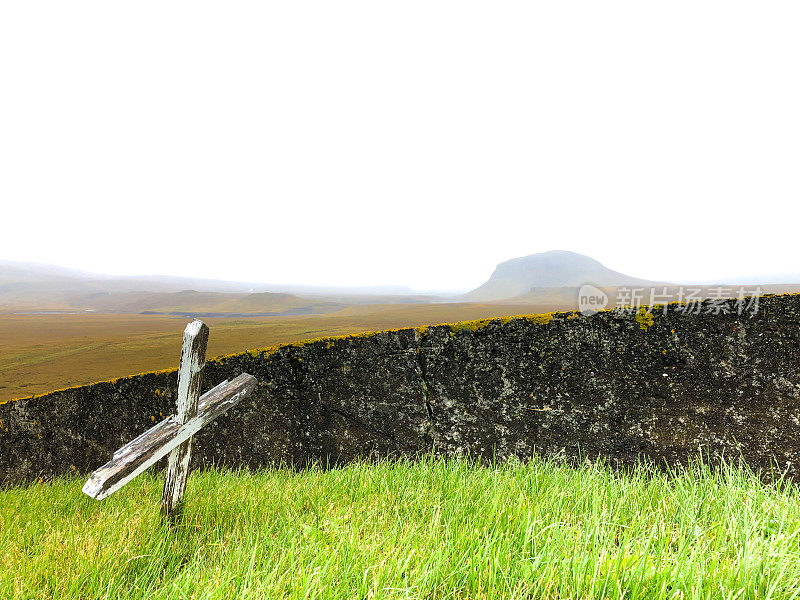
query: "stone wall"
563, 384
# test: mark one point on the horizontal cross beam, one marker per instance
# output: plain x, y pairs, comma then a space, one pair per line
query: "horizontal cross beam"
155, 443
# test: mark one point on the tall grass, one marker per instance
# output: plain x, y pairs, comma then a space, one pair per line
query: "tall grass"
430, 529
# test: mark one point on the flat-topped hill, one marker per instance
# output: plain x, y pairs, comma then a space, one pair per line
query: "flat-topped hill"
554, 269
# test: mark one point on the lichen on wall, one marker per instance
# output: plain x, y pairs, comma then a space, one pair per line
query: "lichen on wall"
654, 384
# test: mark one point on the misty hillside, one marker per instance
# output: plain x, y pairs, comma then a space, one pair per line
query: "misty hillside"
13, 272
204, 303
33, 286
28, 279
554, 269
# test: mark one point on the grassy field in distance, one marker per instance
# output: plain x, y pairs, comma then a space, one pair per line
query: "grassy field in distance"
433, 529
40, 353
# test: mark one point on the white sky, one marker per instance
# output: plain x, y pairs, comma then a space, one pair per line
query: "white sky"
411, 143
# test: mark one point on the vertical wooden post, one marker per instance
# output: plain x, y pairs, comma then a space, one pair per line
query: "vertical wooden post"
190, 378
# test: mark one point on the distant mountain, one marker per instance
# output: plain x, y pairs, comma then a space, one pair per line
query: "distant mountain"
27, 272
33, 286
194, 303
530, 275
30, 278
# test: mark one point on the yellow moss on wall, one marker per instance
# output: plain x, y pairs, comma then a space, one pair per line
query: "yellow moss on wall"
644, 318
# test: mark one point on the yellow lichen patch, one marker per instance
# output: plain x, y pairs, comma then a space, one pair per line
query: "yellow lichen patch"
644, 318
542, 319
538, 319
470, 325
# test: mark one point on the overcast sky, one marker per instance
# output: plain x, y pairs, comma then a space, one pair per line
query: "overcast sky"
411, 143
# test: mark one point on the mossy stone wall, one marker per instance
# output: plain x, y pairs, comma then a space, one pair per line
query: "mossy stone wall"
617, 384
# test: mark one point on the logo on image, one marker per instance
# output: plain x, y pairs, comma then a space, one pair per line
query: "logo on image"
591, 299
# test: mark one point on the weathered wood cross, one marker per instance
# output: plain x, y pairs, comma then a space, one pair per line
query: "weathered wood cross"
174, 434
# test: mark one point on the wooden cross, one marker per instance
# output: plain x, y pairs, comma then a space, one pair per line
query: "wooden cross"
174, 434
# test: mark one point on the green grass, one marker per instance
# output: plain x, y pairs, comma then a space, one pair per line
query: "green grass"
432, 529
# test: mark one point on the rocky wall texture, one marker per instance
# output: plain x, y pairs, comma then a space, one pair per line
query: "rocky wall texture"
613, 384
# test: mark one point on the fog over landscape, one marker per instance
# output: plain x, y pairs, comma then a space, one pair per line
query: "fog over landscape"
548, 279
420, 300
302, 147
